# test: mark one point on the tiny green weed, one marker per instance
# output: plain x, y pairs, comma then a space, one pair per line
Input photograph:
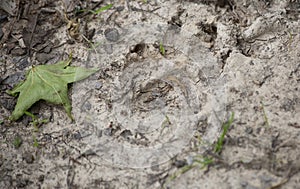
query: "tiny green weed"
162, 49
36, 123
102, 9
219, 144
265, 114
166, 123
17, 142
35, 142
201, 161
97, 11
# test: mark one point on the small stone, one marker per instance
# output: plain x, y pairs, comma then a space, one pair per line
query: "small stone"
41, 178
180, 163
189, 160
22, 43
112, 34
249, 130
126, 134
77, 136
108, 131
120, 8
133, 57
98, 85
28, 157
86, 106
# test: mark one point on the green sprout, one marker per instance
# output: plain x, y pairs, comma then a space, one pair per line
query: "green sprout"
101, 9
35, 142
165, 124
265, 114
92, 45
97, 11
36, 123
181, 171
219, 144
17, 142
162, 49
204, 161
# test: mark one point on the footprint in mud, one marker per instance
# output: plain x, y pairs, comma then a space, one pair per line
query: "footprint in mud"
147, 112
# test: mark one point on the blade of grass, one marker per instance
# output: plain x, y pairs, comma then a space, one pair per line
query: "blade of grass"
101, 9
219, 144
162, 49
265, 115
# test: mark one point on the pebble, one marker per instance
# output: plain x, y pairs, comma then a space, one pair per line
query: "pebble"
108, 131
86, 106
180, 163
249, 130
28, 157
189, 160
98, 85
77, 136
126, 134
120, 8
112, 34
41, 178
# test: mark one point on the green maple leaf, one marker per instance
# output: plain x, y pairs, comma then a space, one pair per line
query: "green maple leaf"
49, 83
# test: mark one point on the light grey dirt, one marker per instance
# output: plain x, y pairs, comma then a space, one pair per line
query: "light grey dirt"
171, 74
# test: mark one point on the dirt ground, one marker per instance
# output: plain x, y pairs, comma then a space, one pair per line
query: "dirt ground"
171, 75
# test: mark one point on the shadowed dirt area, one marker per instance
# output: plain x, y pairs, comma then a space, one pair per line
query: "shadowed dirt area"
174, 76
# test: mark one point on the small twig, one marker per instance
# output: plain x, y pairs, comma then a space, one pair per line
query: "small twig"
32, 32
